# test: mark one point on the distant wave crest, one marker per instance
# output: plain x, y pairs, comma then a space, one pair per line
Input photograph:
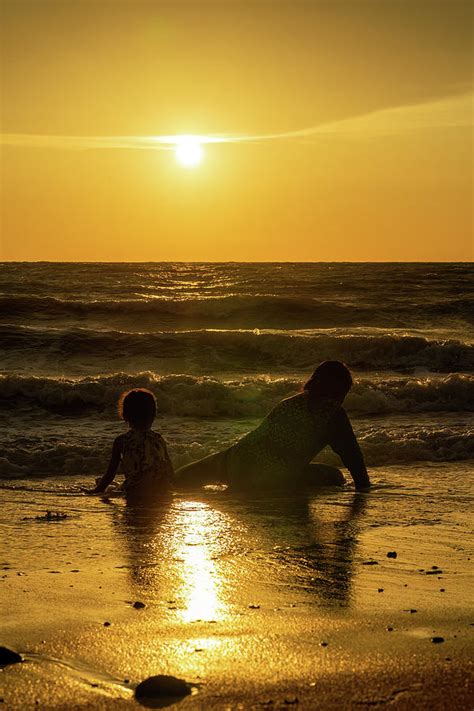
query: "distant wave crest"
239, 310
212, 350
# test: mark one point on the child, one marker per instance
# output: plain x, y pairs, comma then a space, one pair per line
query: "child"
140, 452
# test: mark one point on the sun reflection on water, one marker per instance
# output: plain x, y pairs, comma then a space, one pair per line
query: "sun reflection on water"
201, 529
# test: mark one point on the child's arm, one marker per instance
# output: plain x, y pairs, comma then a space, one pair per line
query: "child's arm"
112, 468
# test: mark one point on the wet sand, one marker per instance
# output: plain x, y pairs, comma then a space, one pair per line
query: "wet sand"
258, 602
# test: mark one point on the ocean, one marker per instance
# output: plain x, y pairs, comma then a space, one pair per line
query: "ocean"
247, 596
220, 345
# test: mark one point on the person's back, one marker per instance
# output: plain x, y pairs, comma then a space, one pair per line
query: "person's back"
287, 439
144, 461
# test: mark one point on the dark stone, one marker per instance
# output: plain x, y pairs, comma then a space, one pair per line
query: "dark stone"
389, 629
8, 656
433, 572
254, 607
437, 640
380, 590
392, 554
162, 687
370, 562
107, 624
139, 606
324, 644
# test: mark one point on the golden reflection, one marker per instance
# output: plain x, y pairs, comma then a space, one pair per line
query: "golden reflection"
201, 528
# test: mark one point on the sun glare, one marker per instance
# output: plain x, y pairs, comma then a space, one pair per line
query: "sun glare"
188, 151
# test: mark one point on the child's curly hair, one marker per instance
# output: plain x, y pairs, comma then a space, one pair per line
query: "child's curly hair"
137, 406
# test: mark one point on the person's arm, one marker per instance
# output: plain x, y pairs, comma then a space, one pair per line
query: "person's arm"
344, 442
111, 469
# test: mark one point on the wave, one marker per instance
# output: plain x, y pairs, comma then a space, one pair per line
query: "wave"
382, 446
241, 310
193, 396
215, 351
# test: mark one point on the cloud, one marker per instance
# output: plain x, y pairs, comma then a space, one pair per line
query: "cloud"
449, 112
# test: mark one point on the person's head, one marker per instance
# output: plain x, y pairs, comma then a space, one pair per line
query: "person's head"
330, 379
138, 407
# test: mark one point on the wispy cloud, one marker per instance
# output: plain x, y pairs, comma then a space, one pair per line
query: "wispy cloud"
449, 112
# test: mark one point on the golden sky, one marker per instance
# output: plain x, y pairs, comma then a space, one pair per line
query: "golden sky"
345, 130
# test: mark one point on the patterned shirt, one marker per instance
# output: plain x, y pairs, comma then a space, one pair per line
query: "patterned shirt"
144, 459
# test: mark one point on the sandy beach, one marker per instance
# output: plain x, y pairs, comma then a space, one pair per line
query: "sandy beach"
260, 602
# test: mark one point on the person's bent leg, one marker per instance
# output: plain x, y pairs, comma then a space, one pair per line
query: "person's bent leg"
316, 474
209, 470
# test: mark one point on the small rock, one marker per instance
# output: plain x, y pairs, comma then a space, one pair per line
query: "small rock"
8, 656
442, 590
324, 644
389, 629
139, 606
370, 562
437, 640
254, 607
162, 686
433, 572
380, 590
107, 624
392, 554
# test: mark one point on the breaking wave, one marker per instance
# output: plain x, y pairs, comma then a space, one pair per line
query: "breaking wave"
251, 396
237, 349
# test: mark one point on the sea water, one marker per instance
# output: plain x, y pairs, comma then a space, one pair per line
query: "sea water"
220, 345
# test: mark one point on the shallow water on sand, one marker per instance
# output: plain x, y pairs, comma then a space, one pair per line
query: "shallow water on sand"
233, 585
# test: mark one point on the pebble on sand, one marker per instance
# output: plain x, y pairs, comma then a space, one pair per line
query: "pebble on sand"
437, 640
162, 686
392, 554
8, 656
139, 606
370, 562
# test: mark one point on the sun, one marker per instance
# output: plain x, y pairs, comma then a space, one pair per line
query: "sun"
188, 151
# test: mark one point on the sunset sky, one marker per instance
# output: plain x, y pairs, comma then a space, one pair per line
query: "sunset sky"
331, 130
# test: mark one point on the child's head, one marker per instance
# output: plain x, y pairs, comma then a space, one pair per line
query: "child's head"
138, 407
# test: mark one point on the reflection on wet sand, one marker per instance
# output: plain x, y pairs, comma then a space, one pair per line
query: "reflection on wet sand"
197, 546
206, 557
